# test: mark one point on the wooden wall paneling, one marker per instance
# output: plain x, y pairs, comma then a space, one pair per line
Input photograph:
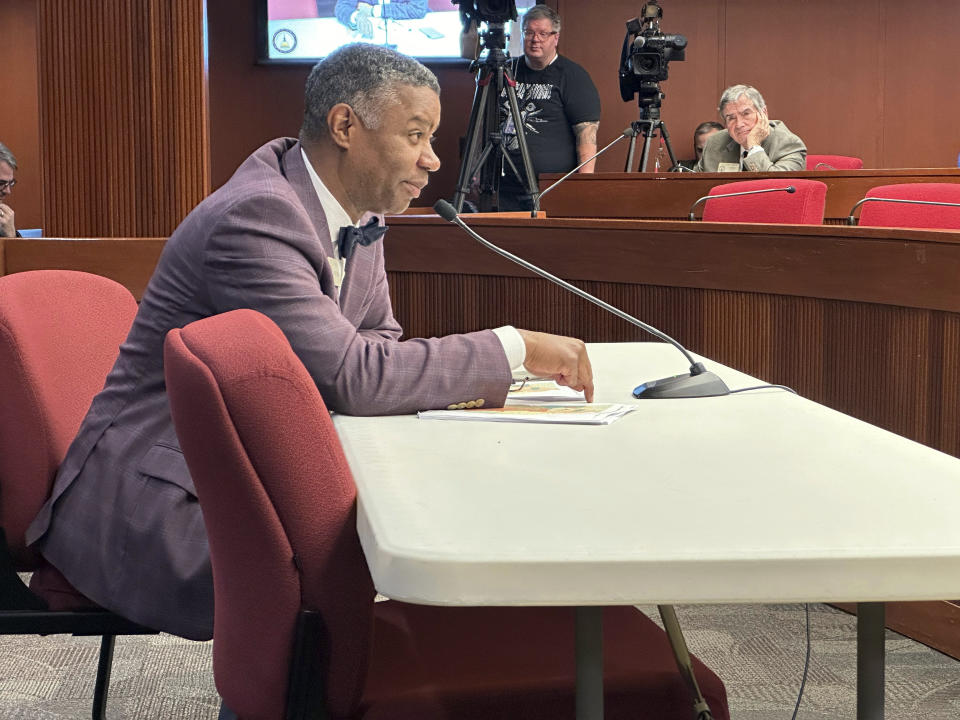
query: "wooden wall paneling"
918, 59
948, 428
123, 115
593, 36
816, 64
878, 363
20, 123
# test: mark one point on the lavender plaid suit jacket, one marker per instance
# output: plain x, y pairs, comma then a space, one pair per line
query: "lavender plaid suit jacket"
123, 523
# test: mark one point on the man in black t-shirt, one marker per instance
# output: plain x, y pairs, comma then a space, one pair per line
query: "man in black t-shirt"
559, 105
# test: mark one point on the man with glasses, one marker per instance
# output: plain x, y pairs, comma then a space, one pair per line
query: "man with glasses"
559, 107
751, 141
8, 164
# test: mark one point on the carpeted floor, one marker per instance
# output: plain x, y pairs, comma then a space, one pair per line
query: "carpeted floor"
757, 650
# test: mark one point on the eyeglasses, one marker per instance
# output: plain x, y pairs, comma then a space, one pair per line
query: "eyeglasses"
746, 114
7, 184
539, 34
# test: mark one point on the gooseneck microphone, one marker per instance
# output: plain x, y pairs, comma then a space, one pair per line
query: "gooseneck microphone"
787, 189
697, 383
629, 132
851, 220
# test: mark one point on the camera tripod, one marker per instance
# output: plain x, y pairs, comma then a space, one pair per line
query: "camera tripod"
648, 125
486, 161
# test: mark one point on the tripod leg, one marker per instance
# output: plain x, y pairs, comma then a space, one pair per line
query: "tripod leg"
666, 141
647, 135
628, 166
530, 178
470, 152
684, 663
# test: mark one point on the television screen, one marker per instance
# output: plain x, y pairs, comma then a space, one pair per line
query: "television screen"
306, 30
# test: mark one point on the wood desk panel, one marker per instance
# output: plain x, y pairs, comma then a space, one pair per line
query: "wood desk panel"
129, 261
670, 195
863, 320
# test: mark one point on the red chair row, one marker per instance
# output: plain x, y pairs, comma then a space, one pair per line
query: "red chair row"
793, 200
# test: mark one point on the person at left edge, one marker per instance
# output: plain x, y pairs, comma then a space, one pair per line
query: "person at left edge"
8, 167
123, 524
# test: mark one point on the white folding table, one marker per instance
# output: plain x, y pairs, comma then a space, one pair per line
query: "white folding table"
759, 497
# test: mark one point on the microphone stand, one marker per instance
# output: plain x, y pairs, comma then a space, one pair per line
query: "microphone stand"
629, 132
697, 383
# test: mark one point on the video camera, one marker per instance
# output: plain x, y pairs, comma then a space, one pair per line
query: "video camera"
646, 54
494, 12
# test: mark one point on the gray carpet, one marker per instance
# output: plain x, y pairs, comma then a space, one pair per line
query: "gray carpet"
757, 650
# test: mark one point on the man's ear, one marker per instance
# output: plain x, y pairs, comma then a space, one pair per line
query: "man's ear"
342, 122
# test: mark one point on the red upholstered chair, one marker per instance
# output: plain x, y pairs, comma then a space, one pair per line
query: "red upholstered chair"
804, 206
296, 631
833, 162
914, 213
59, 335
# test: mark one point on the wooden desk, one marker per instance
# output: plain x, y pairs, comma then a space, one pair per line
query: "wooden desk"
668, 196
129, 261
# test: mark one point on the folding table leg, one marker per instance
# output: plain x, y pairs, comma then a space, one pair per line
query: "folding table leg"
589, 639
870, 660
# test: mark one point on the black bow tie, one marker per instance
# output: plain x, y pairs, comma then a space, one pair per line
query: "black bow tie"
351, 236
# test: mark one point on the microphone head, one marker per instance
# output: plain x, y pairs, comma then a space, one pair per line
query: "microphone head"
445, 210
630, 132
790, 189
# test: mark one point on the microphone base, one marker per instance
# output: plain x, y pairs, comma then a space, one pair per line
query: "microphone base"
705, 384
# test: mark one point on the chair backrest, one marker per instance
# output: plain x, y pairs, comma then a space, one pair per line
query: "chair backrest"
833, 162
279, 504
60, 332
909, 215
805, 205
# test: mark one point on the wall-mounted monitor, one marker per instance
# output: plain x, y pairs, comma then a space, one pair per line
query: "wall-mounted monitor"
304, 31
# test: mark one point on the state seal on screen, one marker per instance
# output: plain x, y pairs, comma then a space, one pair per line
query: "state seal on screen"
284, 41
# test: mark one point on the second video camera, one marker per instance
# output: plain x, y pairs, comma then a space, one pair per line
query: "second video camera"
646, 53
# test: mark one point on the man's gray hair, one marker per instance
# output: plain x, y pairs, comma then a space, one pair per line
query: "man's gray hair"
733, 93
7, 156
540, 12
365, 77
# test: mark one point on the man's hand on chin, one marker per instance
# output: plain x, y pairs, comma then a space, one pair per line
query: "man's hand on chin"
562, 358
759, 132
8, 226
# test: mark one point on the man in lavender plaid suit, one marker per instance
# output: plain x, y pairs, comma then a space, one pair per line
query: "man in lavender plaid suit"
123, 524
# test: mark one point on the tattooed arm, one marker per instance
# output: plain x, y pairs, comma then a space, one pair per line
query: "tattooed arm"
586, 133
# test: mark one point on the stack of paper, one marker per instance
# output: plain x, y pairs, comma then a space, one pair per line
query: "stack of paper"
539, 401
564, 413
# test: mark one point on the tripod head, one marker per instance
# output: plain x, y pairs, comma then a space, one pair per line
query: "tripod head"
650, 100
493, 39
